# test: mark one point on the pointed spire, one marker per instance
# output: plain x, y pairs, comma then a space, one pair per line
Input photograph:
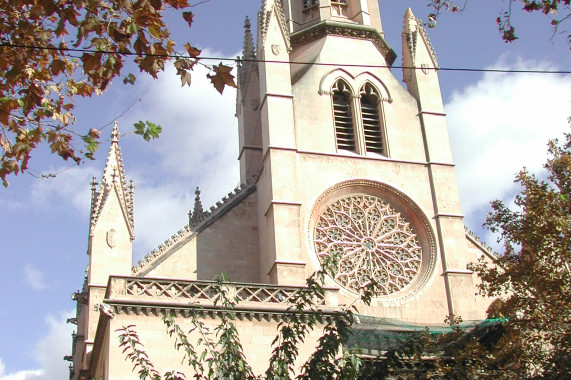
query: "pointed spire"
113, 181
248, 51
198, 212
413, 34
248, 55
409, 21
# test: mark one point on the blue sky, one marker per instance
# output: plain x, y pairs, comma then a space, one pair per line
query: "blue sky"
498, 123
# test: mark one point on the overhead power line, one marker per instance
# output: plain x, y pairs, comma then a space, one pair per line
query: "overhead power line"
237, 60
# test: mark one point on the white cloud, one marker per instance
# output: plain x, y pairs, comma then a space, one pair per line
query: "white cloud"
48, 351
501, 124
69, 187
197, 122
198, 147
34, 278
20, 375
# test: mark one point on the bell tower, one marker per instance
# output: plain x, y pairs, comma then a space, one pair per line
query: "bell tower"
350, 164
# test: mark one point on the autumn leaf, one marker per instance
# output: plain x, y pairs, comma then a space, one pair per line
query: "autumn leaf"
57, 66
192, 51
222, 77
94, 133
188, 17
5, 145
185, 78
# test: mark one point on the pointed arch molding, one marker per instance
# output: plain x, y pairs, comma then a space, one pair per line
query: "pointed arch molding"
355, 83
373, 231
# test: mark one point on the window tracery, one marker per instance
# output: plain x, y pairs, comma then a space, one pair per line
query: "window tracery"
369, 241
358, 119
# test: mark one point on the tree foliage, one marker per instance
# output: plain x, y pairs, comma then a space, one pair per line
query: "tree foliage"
53, 51
557, 11
532, 279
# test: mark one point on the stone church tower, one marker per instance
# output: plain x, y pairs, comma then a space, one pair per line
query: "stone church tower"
337, 159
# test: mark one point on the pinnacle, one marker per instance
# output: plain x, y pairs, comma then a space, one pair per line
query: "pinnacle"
198, 212
410, 21
408, 13
115, 132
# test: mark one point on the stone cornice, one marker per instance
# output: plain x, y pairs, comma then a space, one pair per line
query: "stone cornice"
332, 28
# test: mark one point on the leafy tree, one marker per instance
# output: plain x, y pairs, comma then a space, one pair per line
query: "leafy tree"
532, 279
557, 11
53, 51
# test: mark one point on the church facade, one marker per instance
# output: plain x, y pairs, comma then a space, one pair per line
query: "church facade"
337, 159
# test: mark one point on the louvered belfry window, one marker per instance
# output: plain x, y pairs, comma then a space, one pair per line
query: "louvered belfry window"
344, 130
371, 121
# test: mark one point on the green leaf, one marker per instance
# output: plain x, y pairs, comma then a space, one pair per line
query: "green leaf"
148, 130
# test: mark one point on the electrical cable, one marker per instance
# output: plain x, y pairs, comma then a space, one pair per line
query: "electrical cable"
239, 60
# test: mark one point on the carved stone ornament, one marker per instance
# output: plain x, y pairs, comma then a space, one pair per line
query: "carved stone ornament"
276, 49
373, 233
111, 238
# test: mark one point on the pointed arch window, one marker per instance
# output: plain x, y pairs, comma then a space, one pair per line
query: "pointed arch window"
372, 126
343, 117
359, 122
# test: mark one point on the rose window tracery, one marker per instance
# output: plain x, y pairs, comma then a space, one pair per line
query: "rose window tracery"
368, 241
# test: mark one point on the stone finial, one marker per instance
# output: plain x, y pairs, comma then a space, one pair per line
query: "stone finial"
115, 132
414, 34
409, 21
248, 51
198, 212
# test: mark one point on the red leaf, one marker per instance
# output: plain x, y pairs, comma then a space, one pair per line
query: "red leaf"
188, 16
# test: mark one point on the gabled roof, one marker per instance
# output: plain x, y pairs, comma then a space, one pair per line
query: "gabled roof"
113, 184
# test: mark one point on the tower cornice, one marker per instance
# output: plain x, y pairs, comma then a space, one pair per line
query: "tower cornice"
334, 28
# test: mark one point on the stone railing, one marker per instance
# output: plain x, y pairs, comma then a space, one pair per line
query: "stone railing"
153, 292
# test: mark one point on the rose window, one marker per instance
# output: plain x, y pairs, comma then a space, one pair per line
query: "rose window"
368, 241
